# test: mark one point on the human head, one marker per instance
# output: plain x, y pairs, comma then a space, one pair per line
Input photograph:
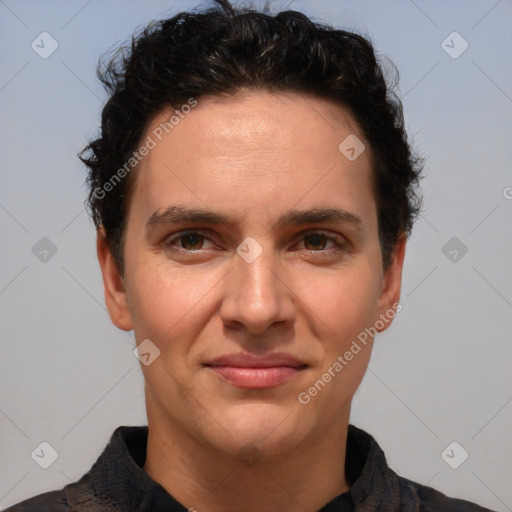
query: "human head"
257, 160
223, 50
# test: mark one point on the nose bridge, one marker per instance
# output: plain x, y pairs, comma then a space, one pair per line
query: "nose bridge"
258, 271
256, 295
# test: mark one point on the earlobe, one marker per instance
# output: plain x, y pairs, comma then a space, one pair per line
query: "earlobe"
113, 284
392, 283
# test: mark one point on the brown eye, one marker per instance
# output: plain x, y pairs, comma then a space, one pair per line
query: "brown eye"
315, 240
189, 240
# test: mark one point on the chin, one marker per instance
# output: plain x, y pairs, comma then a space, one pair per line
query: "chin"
271, 426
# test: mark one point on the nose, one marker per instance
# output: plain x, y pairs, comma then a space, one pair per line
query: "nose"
258, 294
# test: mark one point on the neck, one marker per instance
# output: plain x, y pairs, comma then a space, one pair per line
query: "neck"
202, 478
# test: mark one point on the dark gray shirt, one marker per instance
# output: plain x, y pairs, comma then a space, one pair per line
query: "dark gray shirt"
117, 483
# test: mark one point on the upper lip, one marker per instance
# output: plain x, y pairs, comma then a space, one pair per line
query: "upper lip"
246, 360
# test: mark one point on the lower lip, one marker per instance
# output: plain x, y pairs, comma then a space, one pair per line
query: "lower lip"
257, 378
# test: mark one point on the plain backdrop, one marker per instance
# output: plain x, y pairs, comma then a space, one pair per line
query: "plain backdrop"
440, 374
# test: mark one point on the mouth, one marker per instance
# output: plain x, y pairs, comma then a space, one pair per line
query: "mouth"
252, 372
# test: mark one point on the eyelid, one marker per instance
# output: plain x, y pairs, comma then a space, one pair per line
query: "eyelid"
176, 236
336, 238
339, 240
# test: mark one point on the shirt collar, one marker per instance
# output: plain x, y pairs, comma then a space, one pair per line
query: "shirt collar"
117, 478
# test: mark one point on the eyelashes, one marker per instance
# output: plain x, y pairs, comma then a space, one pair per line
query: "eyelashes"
197, 237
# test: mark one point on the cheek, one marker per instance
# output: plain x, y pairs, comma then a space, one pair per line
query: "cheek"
167, 305
345, 308
155, 303
343, 302
149, 301
345, 305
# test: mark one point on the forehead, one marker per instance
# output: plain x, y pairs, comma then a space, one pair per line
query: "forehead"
253, 152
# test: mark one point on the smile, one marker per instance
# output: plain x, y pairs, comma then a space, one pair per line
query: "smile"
257, 378
252, 372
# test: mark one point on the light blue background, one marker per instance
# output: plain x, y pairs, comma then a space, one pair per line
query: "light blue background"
441, 373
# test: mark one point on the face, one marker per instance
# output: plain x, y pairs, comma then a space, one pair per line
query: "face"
252, 263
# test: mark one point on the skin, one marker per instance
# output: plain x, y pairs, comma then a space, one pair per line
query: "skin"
254, 157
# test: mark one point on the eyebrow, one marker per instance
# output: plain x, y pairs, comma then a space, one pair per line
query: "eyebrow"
181, 214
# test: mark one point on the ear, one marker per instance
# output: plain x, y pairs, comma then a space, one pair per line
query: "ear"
391, 285
113, 284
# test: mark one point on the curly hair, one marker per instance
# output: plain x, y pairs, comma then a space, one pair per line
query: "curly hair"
225, 49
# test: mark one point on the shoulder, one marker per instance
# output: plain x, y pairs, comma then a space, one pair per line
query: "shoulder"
54, 501
432, 500
74, 497
99, 490
374, 483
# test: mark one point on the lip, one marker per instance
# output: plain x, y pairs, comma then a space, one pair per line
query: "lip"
257, 372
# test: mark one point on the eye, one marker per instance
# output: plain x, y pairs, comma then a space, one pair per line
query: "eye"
317, 241
188, 241
194, 241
